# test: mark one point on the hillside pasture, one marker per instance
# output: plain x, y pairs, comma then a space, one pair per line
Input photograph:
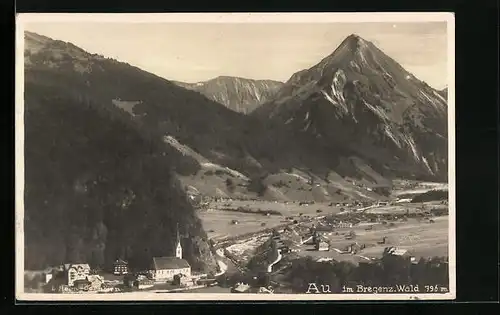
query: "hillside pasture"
220, 223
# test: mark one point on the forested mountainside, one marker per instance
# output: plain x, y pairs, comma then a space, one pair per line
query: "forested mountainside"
239, 94
360, 102
98, 185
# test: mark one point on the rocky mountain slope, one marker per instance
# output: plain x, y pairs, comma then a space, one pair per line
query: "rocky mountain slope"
239, 94
359, 102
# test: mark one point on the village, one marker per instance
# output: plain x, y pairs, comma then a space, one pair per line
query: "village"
168, 274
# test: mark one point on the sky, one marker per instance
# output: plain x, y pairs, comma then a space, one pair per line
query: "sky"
194, 52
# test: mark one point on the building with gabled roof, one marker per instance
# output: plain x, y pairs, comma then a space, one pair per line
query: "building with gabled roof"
400, 252
165, 268
120, 267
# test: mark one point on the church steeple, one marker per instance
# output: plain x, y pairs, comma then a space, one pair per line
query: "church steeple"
178, 246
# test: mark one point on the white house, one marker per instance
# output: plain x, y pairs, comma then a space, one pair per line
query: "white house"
165, 268
76, 272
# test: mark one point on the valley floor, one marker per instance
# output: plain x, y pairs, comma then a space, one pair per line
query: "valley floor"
421, 233
422, 239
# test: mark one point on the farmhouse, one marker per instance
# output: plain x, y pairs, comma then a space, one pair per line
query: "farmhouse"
182, 280
76, 272
138, 281
322, 246
120, 267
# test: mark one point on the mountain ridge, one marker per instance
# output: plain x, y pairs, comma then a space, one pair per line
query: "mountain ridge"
239, 94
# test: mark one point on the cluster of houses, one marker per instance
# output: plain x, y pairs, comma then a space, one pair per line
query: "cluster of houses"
70, 278
75, 278
290, 240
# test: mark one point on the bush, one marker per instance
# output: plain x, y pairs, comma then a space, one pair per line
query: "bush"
257, 185
219, 172
431, 196
280, 184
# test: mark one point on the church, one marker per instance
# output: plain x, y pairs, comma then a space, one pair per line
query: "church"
165, 268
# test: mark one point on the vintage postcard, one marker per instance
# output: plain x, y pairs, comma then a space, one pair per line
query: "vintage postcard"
276, 156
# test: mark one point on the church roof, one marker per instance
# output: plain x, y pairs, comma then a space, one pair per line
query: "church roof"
161, 263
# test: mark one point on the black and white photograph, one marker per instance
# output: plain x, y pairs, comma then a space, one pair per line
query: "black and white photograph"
235, 156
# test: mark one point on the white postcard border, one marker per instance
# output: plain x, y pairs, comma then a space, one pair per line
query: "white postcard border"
359, 17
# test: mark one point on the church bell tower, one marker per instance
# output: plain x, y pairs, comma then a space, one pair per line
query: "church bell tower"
178, 247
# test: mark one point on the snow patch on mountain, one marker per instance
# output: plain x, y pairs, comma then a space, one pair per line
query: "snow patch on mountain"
377, 111
391, 135
432, 101
307, 116
439, 96
306, 127
413, 147
426, 163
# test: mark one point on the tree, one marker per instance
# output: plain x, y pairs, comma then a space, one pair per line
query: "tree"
230, 185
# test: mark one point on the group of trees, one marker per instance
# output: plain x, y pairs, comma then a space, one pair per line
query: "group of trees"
230, 185
431, 195
257, 185
388, 271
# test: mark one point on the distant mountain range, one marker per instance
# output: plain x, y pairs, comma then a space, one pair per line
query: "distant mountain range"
239, 94
113, 151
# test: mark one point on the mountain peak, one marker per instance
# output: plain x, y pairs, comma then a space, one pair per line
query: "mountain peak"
349, 46
354, 42
353, 37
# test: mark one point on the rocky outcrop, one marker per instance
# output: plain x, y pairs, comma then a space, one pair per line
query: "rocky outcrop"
238, 94
360, 101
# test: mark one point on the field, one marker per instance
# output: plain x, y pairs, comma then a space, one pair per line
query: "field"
218, 223
422, 239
